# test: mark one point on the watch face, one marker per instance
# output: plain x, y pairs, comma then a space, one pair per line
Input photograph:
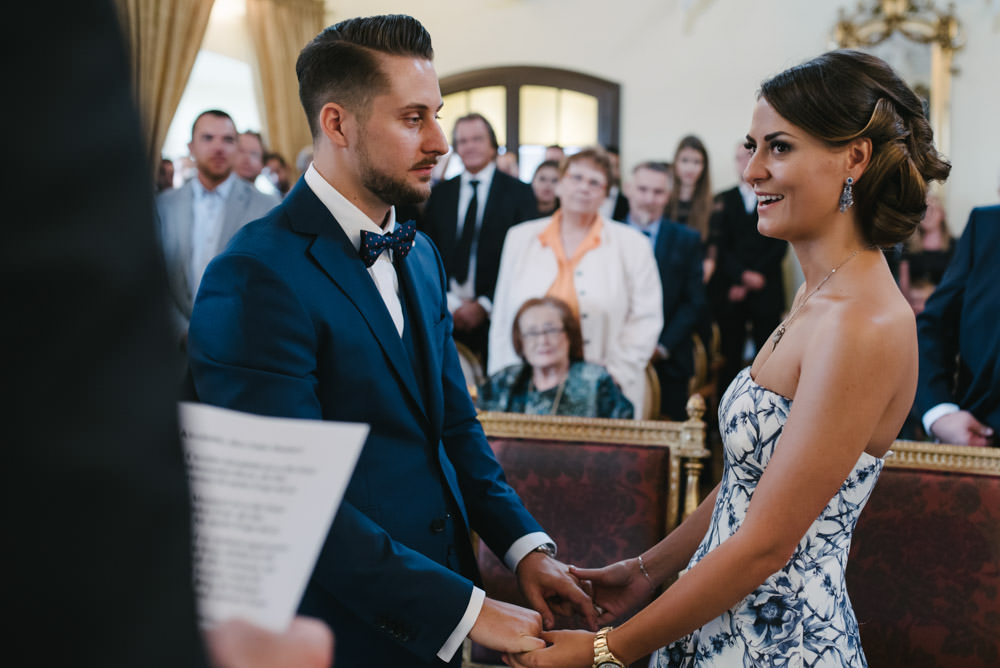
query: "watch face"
609, 664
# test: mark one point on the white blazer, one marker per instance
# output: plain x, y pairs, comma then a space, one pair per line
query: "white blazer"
618, 288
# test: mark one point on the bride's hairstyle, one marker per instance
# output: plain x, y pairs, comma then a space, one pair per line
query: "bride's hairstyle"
843, 95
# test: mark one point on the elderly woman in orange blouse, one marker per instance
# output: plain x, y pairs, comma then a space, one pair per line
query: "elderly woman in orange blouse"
604, 270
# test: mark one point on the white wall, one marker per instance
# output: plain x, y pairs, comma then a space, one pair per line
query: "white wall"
696, 70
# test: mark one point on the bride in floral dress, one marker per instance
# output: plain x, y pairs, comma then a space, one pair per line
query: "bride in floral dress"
841, 158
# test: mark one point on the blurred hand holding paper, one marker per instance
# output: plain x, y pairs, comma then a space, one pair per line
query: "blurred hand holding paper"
264, 493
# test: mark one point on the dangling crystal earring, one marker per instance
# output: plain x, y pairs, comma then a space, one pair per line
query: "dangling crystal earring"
847, 195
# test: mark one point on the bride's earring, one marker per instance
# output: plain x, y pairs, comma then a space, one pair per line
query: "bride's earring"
847, 195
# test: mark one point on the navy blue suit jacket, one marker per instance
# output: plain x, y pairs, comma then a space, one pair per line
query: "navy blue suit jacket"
288, 322
679, 258
960, 318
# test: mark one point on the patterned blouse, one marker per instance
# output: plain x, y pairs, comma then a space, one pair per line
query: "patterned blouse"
589, 391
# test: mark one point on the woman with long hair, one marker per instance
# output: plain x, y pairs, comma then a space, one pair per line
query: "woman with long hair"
842, 154
691, 199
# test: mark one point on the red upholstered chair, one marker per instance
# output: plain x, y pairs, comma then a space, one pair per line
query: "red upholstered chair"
924, 568
604, 490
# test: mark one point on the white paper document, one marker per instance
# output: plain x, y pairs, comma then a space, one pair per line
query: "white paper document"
264, 492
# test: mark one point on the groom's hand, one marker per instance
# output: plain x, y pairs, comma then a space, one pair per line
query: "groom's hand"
507, 628
548, 585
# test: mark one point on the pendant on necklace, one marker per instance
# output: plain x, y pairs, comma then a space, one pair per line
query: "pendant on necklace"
776, 337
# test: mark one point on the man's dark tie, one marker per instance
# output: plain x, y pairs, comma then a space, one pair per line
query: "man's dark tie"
399, 240
463, 250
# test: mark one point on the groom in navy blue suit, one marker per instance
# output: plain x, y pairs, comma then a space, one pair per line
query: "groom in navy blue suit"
329, 308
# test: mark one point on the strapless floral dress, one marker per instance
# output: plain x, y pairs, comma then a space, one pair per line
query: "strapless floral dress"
800, 616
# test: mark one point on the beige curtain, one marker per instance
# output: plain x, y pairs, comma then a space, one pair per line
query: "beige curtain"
279, 29
164, 38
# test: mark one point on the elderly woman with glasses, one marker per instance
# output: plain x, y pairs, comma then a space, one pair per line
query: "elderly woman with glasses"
604, 271
552, 379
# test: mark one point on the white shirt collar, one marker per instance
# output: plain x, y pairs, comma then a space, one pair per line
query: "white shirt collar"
223, 189
485, 175
351, 218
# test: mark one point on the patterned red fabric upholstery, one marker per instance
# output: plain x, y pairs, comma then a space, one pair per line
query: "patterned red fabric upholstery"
599, 502
924, 571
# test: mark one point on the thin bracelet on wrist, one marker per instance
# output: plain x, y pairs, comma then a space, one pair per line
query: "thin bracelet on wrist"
645, 573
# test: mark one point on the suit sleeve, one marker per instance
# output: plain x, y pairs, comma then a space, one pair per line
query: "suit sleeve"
233, 366
686, 315
938, 327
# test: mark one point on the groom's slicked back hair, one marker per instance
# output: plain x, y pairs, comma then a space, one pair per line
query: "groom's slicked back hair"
341, 64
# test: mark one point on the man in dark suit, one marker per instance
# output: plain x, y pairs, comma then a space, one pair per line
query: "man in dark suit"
958, 393
330, 309
679, 258
467, 218
747, 289
97, 522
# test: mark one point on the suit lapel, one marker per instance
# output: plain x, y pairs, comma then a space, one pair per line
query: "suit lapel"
422, 316
184, 245
336, 255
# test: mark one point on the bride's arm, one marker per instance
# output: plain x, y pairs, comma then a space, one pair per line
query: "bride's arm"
856, 366
845, 386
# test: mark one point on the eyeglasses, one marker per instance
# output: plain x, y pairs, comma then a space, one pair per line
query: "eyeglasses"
538, 335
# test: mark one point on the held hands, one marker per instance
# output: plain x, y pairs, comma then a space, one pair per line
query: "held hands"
962, 428
569, 649
753, 280
619, 588
507, 627
551, 587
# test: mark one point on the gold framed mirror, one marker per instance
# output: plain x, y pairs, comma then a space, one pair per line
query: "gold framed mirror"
917, 39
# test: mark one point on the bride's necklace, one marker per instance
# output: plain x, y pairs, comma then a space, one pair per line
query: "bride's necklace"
780, 332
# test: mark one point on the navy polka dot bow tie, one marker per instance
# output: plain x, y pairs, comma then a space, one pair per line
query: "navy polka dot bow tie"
399, 240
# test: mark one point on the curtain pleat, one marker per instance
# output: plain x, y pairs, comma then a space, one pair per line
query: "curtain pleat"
164, 37
279, 29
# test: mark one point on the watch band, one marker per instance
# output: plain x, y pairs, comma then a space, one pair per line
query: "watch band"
546, 548
603, 658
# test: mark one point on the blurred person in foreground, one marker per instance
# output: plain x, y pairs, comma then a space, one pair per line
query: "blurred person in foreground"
100, 559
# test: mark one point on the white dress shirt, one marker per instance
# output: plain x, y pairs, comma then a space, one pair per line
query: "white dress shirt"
206, 228
352, 220
459, 293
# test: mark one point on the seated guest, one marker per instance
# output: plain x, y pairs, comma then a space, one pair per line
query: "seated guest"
605, 271
552, 378
544, 184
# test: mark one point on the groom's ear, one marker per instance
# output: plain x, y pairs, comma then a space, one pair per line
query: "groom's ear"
336, 122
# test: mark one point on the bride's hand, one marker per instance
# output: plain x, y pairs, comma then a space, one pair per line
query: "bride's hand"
618, 588
567, 649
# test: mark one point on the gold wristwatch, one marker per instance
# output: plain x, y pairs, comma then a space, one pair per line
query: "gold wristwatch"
603, 658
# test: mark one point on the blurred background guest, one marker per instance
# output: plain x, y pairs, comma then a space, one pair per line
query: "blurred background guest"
544, 184
249, 160
507, 163
552, 378
691, 199
276, 169
165, 175
605, 271
926, 255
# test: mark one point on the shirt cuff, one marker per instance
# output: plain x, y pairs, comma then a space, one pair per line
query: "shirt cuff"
464, 627
939, 411
523, 546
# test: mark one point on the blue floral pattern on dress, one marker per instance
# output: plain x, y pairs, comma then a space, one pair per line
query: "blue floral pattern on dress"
800, 616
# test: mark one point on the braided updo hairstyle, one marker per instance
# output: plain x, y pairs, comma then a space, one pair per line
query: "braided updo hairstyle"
844, 95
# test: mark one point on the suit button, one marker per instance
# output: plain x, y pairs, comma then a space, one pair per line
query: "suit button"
438, 525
